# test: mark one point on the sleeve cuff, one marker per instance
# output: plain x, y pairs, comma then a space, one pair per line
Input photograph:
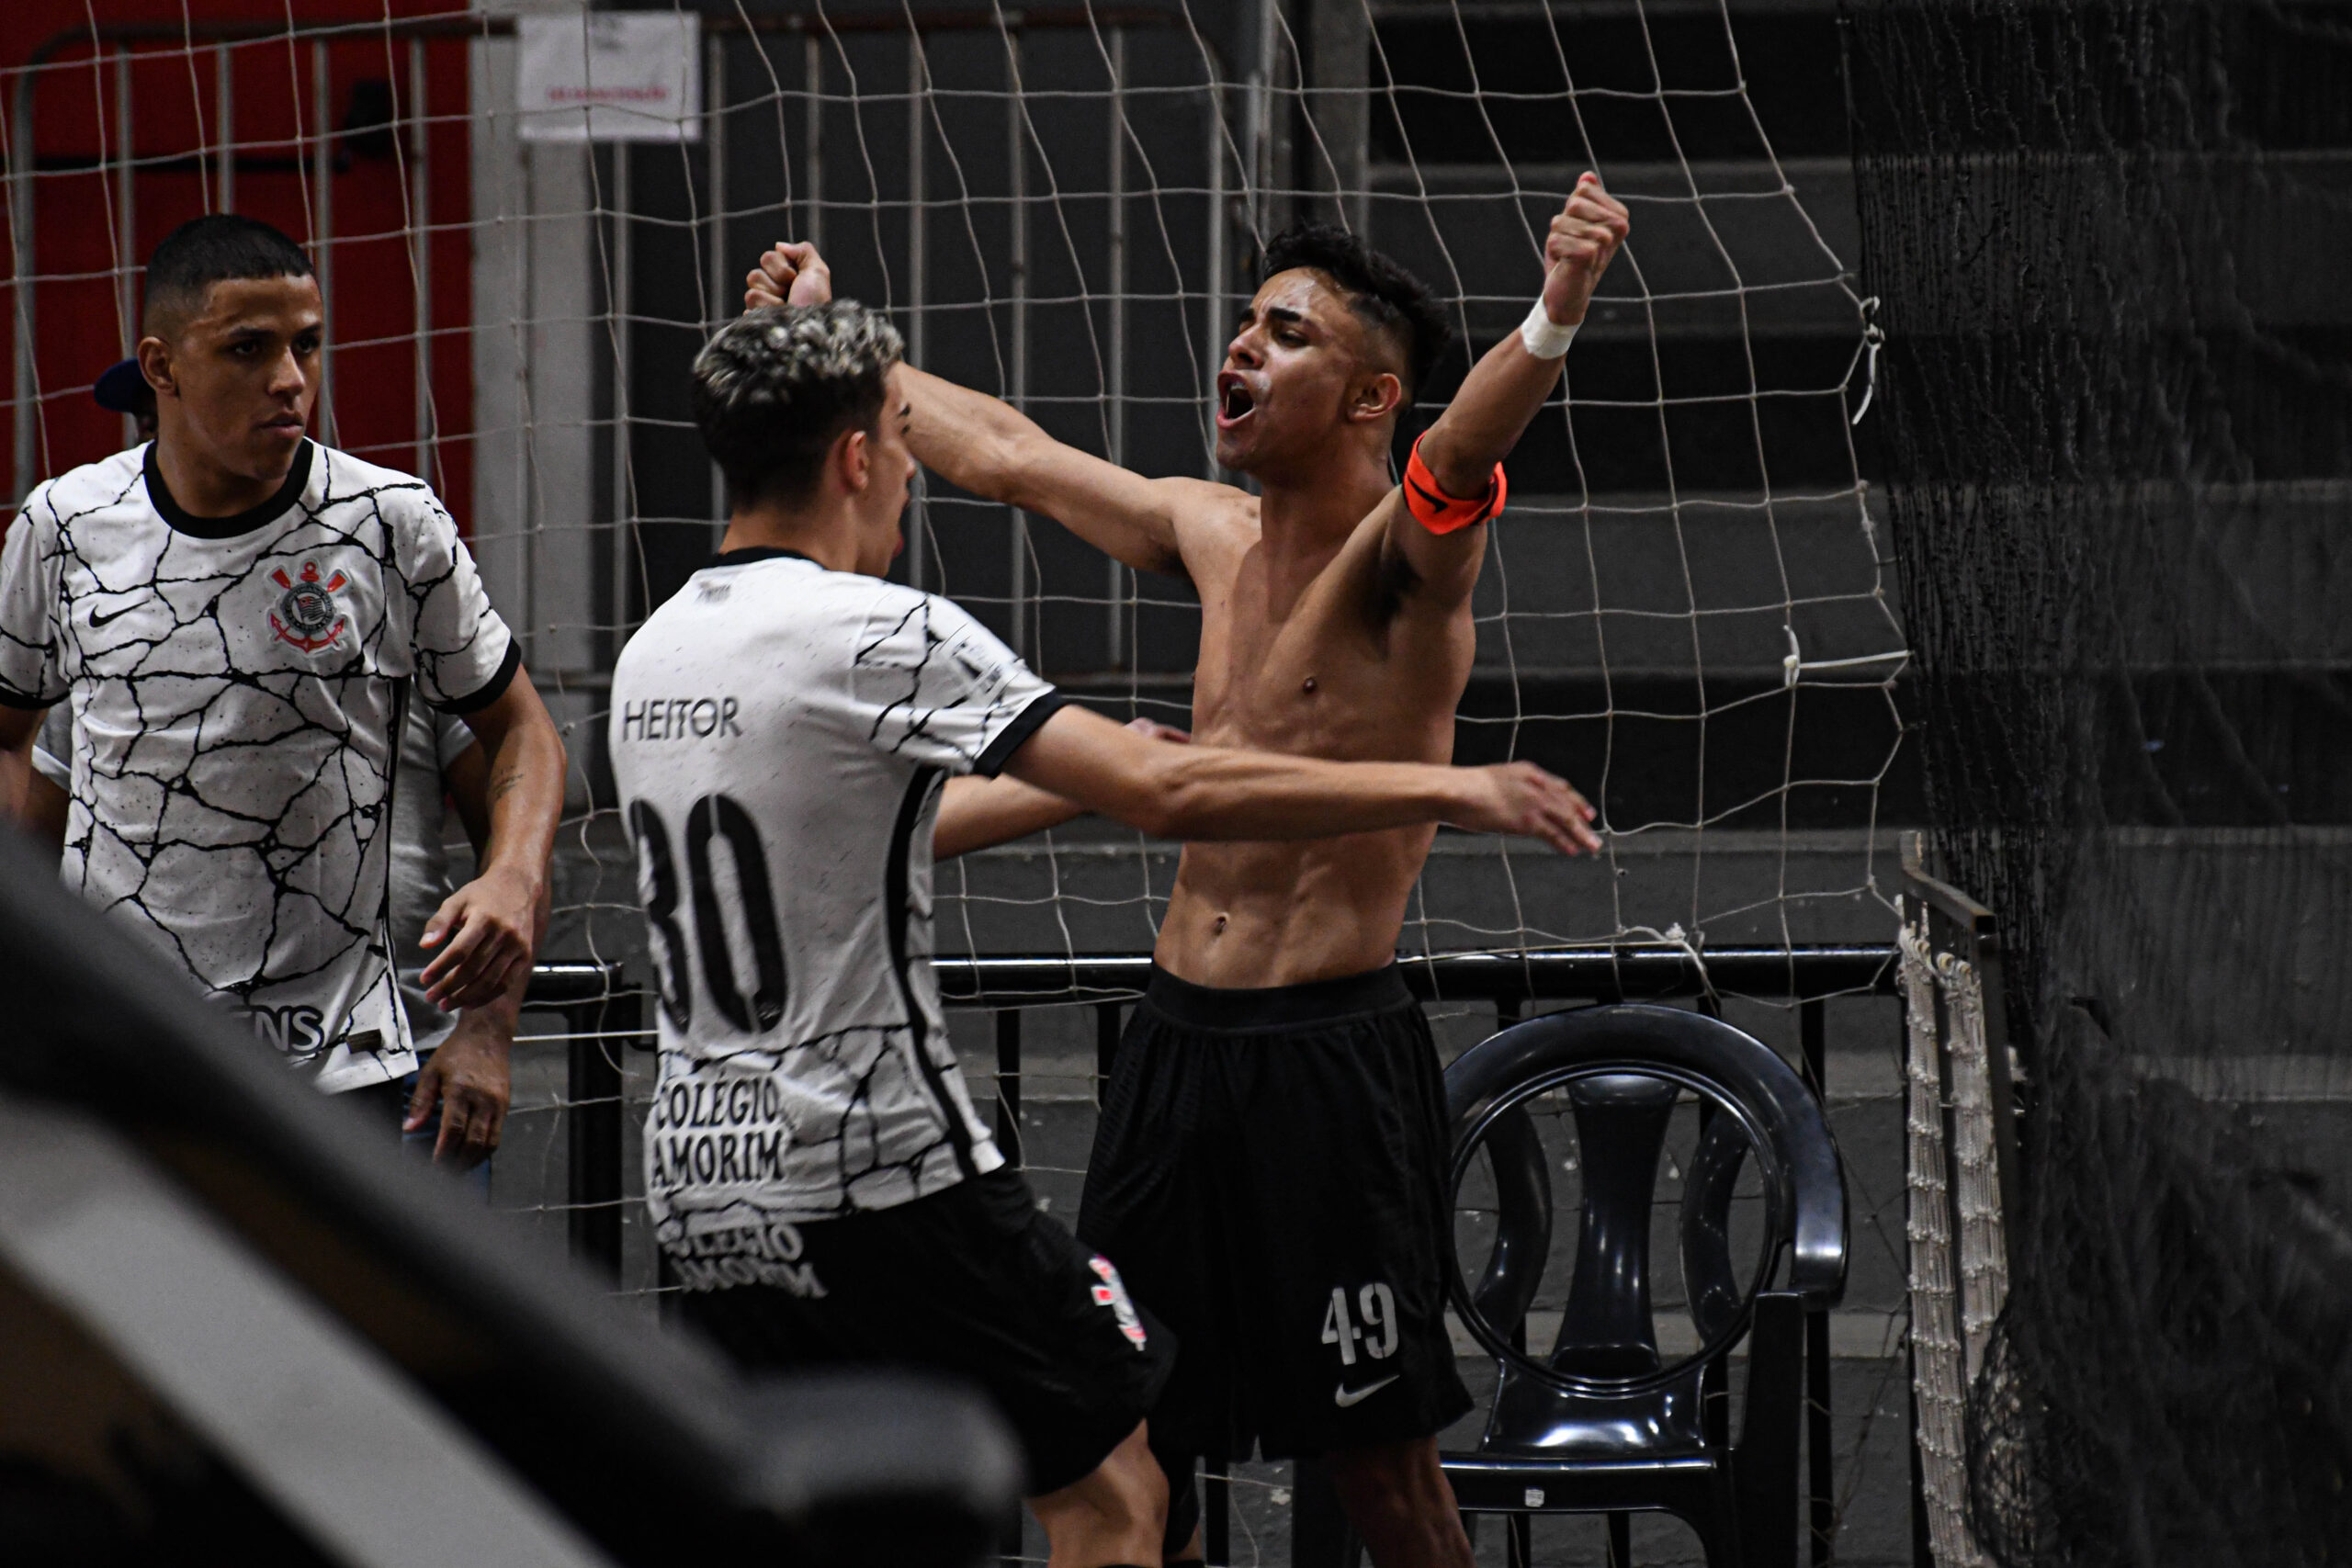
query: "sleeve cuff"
492, 689
12, 698
1025, 724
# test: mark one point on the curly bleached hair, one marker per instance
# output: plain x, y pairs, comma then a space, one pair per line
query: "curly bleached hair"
777, 384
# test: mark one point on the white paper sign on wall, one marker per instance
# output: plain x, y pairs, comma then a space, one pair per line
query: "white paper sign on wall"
610, 77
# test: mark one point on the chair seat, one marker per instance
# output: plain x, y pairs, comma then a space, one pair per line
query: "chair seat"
1533, 1420
1486, 1483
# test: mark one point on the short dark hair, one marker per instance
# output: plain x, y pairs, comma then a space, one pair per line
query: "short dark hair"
1382, 293
220, 248
777, 384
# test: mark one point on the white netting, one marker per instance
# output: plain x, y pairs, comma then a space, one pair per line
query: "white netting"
1939, 1364
1683, 610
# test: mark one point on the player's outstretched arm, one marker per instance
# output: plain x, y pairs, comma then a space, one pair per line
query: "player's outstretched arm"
985, 445
1504, 389
491, 927
978, 814
1215, 792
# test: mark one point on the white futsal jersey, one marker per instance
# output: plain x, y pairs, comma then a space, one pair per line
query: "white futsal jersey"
236, 683
780, 735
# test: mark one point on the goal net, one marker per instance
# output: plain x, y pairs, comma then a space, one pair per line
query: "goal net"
1687, 611
2116, 420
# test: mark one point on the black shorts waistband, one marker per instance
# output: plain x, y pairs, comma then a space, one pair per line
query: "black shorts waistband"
1276, 1007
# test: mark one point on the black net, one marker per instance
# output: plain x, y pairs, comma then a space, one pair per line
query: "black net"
2109, 244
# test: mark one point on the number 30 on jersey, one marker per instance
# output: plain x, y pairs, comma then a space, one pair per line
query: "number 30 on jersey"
713, 818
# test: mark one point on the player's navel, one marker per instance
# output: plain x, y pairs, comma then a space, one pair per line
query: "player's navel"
1307, 686
1216, 927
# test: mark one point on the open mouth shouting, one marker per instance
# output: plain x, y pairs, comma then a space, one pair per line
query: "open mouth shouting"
1236, 400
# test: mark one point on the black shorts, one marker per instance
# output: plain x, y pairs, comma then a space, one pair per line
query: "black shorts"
1271, 1173
972, 1282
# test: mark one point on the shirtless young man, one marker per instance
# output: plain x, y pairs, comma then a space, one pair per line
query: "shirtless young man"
794, 740
1270, 1166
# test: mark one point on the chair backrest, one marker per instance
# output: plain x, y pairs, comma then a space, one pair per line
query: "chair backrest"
1623, 1069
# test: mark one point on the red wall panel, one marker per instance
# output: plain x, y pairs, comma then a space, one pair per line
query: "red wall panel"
77, 251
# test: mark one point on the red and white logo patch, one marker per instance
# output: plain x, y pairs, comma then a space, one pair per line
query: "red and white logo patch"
307, 614
1112, 1294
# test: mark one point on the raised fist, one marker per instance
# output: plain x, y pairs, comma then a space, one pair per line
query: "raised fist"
789, 272
1583, 238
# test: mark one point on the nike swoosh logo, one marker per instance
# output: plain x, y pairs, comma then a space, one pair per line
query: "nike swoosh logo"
1344, 1396
97, 620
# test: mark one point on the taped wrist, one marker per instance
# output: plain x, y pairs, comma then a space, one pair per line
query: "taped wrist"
1442, 514
1544, 337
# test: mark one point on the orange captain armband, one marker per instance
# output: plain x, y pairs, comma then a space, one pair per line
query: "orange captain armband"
1439, 512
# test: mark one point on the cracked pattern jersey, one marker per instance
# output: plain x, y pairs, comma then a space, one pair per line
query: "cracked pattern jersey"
238, 685
780, 735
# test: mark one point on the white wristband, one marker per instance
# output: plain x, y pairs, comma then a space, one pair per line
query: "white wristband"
1545, 338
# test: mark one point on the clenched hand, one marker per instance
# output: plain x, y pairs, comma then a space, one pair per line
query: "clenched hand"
1584, 238
790, 274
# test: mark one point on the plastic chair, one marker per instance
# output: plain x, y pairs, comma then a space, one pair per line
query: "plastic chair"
1599, 1424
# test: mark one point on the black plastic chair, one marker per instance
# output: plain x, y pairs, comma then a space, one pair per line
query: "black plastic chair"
1600, 1424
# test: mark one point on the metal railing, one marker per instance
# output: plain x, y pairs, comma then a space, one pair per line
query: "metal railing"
600, 1008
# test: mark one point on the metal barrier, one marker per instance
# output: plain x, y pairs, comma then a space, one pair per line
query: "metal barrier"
602, 1008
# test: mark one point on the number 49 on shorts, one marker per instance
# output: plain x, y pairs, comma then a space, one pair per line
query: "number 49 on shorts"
1370, 1329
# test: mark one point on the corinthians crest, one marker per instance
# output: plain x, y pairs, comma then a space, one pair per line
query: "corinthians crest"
307, 614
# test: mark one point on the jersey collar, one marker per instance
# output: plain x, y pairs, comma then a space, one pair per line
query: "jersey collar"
751, 553
160, 495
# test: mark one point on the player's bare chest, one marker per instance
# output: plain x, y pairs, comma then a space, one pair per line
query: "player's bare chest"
1316, 672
